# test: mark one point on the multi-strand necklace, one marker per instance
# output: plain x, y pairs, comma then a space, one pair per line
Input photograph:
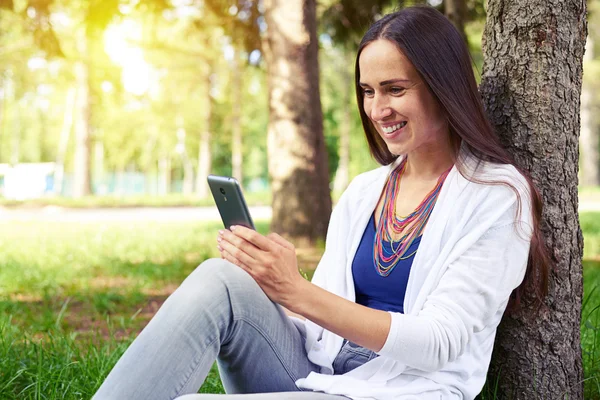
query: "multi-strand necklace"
410, 227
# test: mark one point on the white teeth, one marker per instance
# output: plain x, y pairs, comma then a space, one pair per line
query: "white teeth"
394, 127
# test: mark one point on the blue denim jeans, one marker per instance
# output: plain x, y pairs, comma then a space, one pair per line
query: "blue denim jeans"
219, 312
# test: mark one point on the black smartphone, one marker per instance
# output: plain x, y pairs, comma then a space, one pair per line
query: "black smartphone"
228, 196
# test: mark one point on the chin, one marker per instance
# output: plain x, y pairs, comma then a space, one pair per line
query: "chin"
396, 149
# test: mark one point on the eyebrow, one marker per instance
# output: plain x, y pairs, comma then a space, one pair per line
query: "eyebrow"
388, 82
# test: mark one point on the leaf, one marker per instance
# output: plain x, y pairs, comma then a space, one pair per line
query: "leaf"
99, 14
6, 4
589, 325
46, 40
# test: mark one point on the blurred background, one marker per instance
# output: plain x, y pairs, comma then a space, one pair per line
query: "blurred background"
112, 114
142, 99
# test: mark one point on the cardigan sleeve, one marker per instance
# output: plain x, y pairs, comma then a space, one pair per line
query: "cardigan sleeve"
472, 290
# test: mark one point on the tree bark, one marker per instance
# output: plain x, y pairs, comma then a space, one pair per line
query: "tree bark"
590, 160
204, 154
82, 162
236, 119
296, 146
456, 11
531, 88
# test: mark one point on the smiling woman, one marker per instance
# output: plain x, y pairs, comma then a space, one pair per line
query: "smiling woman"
421, 259
137, 75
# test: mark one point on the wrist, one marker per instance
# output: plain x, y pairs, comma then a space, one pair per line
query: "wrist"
298, 296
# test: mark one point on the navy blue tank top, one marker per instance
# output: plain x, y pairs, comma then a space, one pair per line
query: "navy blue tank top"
372, 289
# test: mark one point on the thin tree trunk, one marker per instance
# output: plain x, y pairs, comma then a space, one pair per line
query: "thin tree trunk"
531, 87
42, 135
589, 130
296, 146
236, 120
3, 109
204, 154
15, 155
65, 132
188, 168
456, 11
164, 175
342, 175
99, 167
82, 170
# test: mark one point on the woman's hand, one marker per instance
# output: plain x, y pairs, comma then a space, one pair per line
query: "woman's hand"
270, 260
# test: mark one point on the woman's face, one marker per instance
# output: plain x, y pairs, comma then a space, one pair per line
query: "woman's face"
398, 103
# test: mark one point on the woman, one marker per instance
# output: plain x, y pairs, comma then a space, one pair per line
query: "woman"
421, 256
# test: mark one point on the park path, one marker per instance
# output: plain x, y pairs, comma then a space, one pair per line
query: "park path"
147, 214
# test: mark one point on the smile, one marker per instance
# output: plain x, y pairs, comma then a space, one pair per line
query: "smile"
393, 128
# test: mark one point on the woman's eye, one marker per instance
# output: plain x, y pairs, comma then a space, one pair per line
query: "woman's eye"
397, 90
368, 92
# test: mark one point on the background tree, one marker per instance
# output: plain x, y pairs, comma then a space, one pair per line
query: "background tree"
456, 11
296, 147
590, 103
531, 88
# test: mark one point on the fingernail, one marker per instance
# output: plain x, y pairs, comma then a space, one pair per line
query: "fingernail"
233, 227
219, 239
219, 247
221, 233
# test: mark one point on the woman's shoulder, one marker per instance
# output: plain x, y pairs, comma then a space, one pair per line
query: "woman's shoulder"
493, 174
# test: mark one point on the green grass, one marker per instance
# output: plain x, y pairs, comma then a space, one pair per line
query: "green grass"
170, 200
73, 296
262, 198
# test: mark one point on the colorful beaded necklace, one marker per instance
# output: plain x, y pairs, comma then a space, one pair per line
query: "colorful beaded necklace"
411, 227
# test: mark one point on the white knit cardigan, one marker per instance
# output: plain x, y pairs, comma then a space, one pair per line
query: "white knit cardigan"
472, 255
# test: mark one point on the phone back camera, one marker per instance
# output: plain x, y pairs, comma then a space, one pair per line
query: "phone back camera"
222, 191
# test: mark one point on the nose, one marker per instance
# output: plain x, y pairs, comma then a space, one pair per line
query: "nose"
380, 108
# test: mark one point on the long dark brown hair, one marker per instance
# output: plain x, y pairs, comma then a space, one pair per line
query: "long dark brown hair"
439, 54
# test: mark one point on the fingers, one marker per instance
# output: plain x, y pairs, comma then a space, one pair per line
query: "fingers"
280, 241
253, 237
227, 256
239, 251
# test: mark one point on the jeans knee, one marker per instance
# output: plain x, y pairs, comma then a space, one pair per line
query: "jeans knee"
219, 277
219, 270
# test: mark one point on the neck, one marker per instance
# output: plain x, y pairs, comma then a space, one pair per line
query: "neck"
430, 163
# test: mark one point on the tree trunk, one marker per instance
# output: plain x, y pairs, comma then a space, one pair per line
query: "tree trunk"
456, 11
81, 168
531, 87
236, 119
296, 145
65, 132
15, 156
589, 129
204, 154
188, 168
342, 175
164, 175
3, 109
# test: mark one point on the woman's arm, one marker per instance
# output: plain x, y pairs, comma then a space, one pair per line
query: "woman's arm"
364, 326
271, 261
